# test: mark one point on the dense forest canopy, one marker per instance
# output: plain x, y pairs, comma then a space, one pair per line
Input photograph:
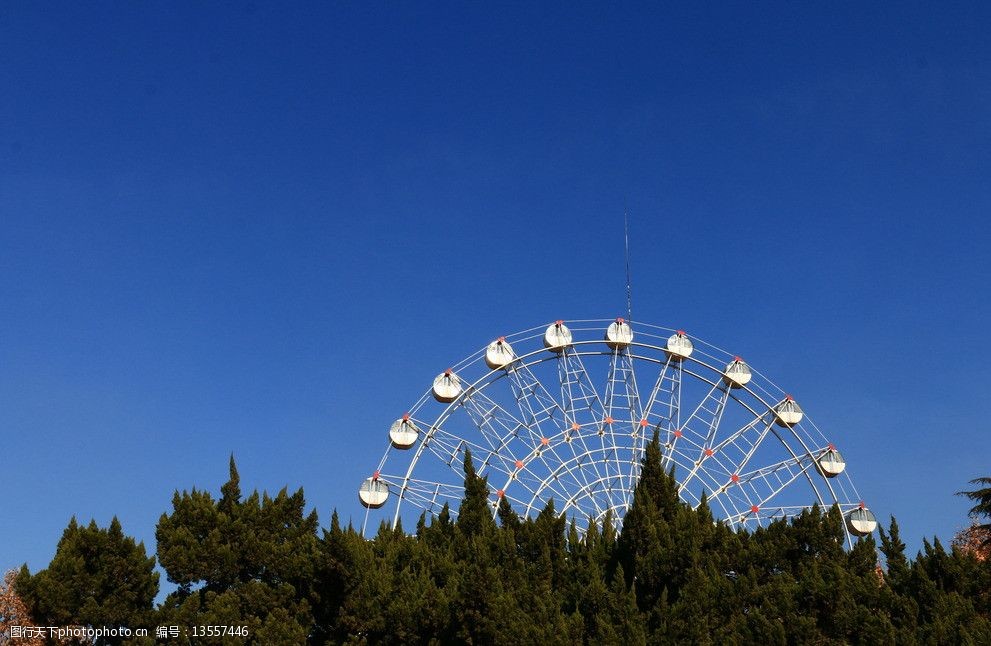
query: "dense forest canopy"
673, 574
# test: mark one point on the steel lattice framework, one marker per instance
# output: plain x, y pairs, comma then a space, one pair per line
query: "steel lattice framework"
557, 412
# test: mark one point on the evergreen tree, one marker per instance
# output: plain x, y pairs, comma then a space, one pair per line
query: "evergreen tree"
98, 577
894, 553
474, 514
241, 562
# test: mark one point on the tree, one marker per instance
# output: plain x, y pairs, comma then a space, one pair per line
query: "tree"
974, 540
241, 562
894, 553
13, 612
474, 515
981, 496
97, 577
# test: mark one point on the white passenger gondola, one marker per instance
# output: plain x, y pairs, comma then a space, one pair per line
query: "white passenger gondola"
788, 412
831, 463
447, 387
373, 492
557, 337
619, 334
861, 521
499, 354
679, 346
403, 432
737, 373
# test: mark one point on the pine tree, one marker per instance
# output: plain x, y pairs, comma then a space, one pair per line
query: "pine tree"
241, 561
97, 577
646, 547
474, 514
894, 553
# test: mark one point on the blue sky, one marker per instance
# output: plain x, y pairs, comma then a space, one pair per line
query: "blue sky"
263, 230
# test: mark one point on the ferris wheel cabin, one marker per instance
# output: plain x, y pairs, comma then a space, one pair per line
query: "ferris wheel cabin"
788, 412
403, 433
737, 373
499, 354
861, 521
679, 346
557, 337
373, 492
447, 387
831, 463
619, 334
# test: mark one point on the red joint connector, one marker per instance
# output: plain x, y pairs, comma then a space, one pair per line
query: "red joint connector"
559, 322
738, 358
755, 509
832, 447
680, 333
789, 398
375, 476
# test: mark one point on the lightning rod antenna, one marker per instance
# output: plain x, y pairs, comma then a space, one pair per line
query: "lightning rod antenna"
629, 291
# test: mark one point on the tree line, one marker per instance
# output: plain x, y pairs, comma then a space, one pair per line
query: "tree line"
673, 574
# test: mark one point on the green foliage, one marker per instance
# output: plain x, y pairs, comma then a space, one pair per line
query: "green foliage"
241, 562
97, 577
672, 575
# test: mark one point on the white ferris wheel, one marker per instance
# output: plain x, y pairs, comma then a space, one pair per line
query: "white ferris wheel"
565, 411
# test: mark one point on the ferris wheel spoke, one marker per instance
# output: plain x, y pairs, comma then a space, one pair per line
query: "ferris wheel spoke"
638, 427
605, 485
705, 454
500, 428
607, 430
741, 445
497, 425
625, 496
582, 405
709, 413
450, 449
661, 389
769, 481
541, 410
760, 486
622, 406
557, 469
670, 401
531, 468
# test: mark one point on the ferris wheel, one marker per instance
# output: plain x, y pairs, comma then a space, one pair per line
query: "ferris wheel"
565, 411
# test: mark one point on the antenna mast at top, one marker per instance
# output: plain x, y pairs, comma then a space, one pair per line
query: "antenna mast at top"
629, 291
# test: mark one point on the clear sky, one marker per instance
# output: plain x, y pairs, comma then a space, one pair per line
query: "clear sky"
260, 229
